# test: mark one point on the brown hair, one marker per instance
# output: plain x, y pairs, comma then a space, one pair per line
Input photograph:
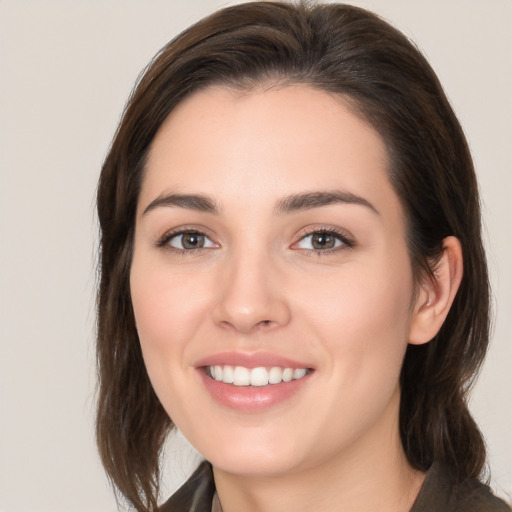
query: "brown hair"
340, 49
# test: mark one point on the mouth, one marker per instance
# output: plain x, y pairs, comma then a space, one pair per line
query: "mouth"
252, 383
260, 376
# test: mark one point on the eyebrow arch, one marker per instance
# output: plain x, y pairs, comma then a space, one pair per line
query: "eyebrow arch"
197, 202
309, 200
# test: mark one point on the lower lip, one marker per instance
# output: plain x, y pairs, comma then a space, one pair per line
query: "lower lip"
251, 398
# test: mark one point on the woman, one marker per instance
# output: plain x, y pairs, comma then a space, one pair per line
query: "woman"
292, 272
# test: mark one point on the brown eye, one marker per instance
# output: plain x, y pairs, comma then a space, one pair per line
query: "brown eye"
323, 241
190, 240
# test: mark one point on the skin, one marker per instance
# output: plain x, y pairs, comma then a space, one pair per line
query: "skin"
259, 285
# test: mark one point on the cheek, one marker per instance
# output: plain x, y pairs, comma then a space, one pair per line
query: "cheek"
363, 318
165, 303
165, 323
164, 320
154, 310
363, 299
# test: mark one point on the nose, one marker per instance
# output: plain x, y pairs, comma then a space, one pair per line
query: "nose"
252, 296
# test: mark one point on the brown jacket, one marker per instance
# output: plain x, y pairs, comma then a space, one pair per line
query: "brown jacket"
439, 493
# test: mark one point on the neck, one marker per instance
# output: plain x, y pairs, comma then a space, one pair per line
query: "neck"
370, 475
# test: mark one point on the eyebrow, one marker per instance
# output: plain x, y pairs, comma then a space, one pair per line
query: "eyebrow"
196, 202
289, 204
310, 200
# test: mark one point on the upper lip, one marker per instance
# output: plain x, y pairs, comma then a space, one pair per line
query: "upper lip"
250, 360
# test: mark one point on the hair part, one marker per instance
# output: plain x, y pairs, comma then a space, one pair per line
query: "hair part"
342, 50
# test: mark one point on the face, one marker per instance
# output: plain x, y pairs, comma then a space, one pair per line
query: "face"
271, 282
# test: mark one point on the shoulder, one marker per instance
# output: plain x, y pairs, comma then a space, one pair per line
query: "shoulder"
441, 492
474, 496
195, 495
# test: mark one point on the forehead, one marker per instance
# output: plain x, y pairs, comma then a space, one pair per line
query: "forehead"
265, 142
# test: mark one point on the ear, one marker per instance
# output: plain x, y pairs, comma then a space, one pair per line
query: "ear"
436, 295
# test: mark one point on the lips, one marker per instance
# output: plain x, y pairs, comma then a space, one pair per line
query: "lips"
252, 382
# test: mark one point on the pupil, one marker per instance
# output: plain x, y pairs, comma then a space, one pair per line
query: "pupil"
192, 241
323, 241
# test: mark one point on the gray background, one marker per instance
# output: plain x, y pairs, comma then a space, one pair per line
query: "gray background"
66, 69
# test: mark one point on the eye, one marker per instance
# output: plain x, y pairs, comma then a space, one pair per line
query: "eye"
189, 241
323, 240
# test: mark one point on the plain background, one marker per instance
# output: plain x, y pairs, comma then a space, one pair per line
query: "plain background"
66, 69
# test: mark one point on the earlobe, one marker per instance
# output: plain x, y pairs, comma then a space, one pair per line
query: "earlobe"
436, 295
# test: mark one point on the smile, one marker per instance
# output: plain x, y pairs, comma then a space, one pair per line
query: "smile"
260, 376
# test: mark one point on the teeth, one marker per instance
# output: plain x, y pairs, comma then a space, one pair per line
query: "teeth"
242, 376
287, 375
228, 374
261, 376
299, 373
275, 375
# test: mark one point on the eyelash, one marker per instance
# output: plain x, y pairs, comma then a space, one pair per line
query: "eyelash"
347, 241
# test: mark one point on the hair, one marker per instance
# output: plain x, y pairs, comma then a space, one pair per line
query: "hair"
339, 49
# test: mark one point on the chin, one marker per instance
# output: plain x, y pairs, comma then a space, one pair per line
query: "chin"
254, 464
249, 454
